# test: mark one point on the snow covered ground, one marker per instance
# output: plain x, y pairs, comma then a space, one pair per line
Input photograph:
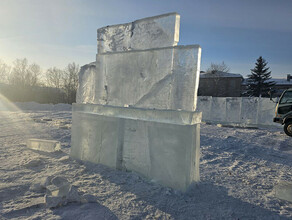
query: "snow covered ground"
239, 169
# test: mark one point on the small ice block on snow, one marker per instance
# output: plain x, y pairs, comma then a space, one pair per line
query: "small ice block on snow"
44, 145
284, 191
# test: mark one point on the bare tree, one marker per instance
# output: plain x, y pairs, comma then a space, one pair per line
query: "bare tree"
66, 79
23, 74
54, 77
70, 81
4, 72
216, 72
33, 75
215, 67
17, 76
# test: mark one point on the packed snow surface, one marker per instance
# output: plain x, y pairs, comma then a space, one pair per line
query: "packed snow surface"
239, 170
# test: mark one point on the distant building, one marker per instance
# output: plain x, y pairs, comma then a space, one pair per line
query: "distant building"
220, 84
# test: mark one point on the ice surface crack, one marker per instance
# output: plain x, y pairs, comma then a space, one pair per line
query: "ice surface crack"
154, 89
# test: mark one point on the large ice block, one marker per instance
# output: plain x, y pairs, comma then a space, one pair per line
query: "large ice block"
159, 144
249, 110
218, 110
95, 138
164, 78
204, 105
266, 111
153, 32
233, 110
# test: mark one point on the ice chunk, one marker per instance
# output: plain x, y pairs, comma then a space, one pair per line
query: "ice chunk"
44, 145
64, 159
59, 187
87, 198
60, 192
53, 201
33, 163
73, 195
284, 191
40, 184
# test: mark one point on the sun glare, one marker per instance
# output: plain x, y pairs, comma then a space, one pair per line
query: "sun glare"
14, 121
6, 105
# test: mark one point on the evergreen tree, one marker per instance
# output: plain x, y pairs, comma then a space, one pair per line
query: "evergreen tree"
258, 82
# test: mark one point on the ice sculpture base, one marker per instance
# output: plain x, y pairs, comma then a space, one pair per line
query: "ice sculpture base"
163, 145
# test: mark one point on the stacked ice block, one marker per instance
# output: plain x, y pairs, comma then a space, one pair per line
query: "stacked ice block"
136, 104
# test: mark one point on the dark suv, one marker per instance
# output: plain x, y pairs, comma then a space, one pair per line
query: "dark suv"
284, 111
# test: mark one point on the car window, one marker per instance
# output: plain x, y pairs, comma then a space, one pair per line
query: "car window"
287, 97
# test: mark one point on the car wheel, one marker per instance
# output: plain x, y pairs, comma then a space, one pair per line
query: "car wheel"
288, 128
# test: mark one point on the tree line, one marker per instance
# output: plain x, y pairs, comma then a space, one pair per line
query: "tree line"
28, 82
23, 81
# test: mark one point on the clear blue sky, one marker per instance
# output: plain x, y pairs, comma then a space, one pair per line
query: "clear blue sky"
56, 32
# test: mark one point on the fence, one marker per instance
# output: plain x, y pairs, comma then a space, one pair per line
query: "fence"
237, 110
